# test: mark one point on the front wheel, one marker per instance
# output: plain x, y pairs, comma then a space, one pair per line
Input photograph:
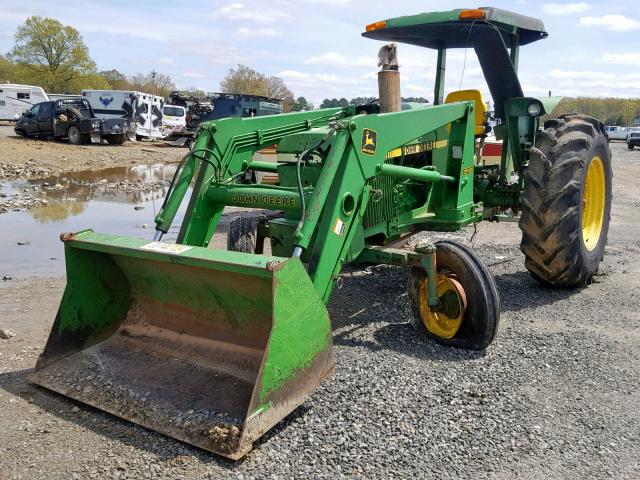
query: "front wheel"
117, 139
469, 310
566, 202
242, 235
629, 146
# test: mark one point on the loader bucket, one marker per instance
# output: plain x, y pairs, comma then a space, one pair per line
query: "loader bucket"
207, 346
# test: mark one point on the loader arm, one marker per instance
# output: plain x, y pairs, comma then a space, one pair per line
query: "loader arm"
336, 203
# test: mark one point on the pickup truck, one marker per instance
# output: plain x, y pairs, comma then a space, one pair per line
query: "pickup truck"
614, 132
633, 140
72, 118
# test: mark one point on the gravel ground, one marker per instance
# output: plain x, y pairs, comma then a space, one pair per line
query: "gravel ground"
556, 396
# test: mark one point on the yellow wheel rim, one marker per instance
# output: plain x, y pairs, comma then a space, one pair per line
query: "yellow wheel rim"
593, 200
439, 323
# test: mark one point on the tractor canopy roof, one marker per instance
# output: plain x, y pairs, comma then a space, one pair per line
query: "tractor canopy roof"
453, 29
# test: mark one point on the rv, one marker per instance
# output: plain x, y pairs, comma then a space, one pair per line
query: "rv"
16, 99
142, 108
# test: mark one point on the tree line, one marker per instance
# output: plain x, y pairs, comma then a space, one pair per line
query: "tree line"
611, 111
343, 102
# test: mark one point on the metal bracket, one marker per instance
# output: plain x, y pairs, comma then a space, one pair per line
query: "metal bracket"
428, 253
423, 256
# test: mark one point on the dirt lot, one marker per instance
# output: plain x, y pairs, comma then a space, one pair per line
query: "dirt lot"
556, 396
26, 158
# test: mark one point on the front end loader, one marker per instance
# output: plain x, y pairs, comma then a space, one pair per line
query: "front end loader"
214, 347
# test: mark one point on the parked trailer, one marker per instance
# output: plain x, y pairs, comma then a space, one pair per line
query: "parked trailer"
224, 105
215, 106
16, 99
142, 108
240, 105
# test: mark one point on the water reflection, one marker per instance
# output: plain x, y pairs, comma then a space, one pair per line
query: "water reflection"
68, 195
120, 201
57, 211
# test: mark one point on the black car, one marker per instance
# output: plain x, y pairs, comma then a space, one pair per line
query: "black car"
633, 140
72, 118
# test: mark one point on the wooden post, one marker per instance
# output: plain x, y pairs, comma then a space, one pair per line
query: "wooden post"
389, 90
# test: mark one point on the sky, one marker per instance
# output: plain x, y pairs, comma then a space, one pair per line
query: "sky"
316, 46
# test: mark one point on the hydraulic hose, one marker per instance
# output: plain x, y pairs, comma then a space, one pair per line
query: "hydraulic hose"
180, 184
297, 251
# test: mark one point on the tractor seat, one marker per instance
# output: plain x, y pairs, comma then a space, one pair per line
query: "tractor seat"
480, 109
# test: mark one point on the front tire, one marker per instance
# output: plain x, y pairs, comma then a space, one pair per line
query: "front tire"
117, 139
629, 146
242, 235
473, 322
566, 202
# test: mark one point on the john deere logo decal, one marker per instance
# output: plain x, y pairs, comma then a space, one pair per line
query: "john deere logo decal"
369, 141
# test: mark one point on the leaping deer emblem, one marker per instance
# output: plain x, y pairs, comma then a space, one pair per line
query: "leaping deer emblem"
368, 140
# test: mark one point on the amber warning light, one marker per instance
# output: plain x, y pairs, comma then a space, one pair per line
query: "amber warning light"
376, 26
475, 14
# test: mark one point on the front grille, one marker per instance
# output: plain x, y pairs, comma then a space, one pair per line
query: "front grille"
384, 209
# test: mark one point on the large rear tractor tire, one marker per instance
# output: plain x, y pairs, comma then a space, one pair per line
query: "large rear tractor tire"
470, 306
566, 202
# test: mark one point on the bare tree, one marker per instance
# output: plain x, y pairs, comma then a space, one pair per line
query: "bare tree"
245, 80
278, 89
153, 83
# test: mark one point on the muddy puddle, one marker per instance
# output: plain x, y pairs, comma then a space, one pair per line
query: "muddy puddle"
120, 201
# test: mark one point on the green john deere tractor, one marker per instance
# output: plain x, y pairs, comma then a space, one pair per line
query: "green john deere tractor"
214, 347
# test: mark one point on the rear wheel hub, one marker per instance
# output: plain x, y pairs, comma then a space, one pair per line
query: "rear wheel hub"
593, 203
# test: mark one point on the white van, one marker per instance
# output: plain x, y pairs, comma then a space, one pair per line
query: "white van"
174, 120
16, 99
142, 108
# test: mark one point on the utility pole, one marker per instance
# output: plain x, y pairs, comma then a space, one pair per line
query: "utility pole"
151, 100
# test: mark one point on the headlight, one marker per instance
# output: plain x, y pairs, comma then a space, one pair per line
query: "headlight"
95, 124
534, 109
